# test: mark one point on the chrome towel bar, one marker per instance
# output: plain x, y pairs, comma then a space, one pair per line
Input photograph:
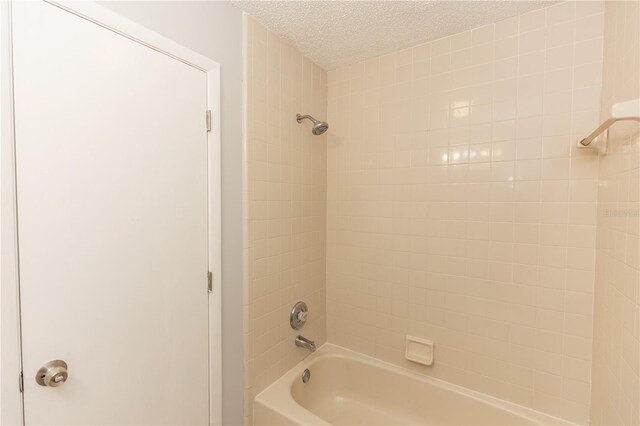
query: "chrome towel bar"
629, 110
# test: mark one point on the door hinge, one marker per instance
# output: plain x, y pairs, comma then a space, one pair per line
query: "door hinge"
208, 120
21, 382
210, 282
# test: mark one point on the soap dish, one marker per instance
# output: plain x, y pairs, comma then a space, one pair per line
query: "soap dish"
419, 350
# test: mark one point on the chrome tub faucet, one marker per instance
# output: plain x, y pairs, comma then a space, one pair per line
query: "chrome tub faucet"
303, 342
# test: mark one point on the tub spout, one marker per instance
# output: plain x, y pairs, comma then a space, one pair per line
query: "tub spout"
303, 342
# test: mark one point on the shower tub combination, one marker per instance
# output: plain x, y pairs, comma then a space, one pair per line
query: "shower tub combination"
347, 388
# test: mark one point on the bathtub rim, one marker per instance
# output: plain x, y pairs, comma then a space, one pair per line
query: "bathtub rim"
278, 395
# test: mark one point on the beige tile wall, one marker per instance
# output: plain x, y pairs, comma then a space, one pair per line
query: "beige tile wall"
459, 211
285, 199
616, 346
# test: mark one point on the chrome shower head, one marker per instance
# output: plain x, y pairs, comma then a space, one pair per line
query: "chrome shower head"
319, 127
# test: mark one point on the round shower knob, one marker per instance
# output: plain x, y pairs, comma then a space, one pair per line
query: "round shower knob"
299, 314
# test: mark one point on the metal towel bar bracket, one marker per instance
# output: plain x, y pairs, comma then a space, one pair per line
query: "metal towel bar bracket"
622, 111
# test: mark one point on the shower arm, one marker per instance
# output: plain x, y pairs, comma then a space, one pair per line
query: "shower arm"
299, 118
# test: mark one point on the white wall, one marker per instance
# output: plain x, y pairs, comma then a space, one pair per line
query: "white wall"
213, 29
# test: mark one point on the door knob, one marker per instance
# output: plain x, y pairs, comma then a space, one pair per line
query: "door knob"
53, 373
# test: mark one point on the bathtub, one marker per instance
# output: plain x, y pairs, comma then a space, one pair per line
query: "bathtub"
347, 388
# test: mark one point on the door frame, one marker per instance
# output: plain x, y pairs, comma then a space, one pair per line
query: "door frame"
13, 403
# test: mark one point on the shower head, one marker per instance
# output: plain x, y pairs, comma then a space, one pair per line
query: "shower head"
319, 127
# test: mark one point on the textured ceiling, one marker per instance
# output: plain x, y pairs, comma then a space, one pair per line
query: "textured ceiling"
336, 33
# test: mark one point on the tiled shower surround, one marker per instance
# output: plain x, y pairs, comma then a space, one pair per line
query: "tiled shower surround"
458, 209
616, 350
285, 199
450, 203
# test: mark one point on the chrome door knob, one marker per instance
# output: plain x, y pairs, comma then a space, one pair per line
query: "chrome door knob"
54, 373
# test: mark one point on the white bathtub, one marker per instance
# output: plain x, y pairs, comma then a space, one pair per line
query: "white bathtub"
347, 388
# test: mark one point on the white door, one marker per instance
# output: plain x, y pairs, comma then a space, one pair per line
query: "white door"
111, 158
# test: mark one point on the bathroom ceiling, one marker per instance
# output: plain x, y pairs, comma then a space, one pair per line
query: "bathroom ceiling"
337, 33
